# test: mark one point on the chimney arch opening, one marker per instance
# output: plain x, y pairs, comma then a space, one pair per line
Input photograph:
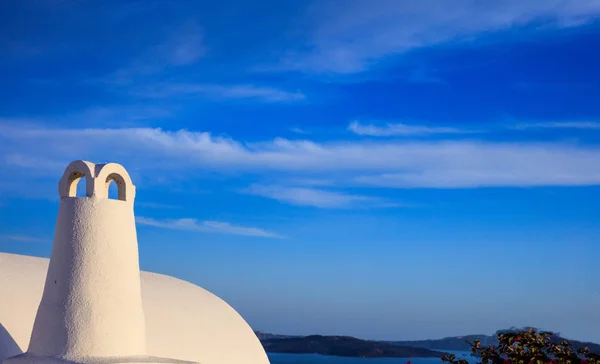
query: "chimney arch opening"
112, 190
77, 184
115, 187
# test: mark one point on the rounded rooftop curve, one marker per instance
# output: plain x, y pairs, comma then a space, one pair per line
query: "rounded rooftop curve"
98, 178
183, 320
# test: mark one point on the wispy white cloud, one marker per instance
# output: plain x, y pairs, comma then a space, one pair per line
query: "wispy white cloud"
182, 47
130, 115
303, 196
24, 238
560, 125
154, 205
478, 178
217, 227
351, 38
185, 46
297, 130
400, 129
431, 163
423, 75
100, 116
268, 94
310, 182
120, 114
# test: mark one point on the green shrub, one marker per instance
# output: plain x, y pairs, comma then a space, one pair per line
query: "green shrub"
526, 347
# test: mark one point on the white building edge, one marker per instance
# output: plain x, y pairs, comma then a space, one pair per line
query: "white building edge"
91, 304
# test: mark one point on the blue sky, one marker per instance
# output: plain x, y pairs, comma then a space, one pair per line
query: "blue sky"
381, 169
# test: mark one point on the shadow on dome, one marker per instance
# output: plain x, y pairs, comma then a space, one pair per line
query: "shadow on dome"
8, 345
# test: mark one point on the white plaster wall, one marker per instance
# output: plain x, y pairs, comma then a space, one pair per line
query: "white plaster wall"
92, 303
21, 286
183, 321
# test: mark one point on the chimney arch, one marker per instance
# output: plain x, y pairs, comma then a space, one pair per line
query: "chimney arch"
75, 171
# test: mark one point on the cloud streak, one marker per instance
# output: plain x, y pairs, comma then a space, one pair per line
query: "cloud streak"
590, 125
297, 130
394, 163
216, 227
154, 205
24, 238
185, 46
351, 38
400, 129
302, 196
220, 92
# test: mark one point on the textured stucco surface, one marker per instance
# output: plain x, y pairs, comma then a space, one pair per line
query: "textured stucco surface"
91, 304
183, 321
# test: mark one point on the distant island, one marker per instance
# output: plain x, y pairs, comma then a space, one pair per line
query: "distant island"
352, 347
344, 346
459, 342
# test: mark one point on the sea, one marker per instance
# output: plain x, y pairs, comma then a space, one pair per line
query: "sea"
276, 358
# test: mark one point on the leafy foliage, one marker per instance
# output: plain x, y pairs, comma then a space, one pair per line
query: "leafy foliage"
527, 346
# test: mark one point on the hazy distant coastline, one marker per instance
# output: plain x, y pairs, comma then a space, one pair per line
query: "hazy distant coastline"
343, 346
352, 347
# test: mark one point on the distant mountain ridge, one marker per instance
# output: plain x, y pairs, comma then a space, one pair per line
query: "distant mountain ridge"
266, 336
344, 346
449, 343
459, 342
350, 346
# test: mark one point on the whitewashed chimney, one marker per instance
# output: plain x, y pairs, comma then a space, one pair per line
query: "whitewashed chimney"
91, 308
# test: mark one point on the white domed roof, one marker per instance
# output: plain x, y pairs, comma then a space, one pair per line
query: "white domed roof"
183, 321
